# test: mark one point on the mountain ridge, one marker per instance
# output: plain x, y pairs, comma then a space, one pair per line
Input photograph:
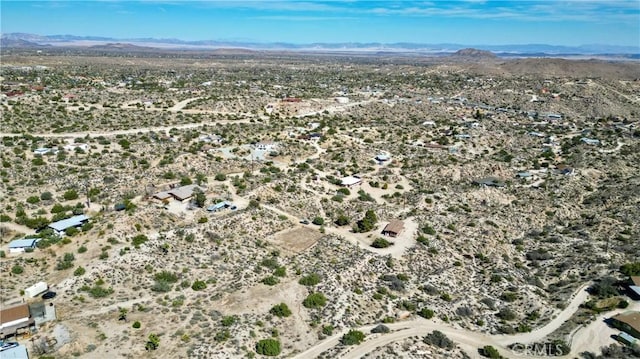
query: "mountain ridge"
16, 39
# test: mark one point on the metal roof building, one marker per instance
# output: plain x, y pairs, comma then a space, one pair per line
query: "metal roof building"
64, 224
19, 245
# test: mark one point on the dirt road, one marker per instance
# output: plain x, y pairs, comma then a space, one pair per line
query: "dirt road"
467, 340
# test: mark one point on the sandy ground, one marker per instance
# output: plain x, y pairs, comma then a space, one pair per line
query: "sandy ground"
467, 340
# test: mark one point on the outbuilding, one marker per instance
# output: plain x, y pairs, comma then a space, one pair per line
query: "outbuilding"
394, 228
350, 181
21, 245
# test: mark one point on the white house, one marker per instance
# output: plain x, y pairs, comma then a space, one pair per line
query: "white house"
74, 146
20, 245
36, 289
265, 146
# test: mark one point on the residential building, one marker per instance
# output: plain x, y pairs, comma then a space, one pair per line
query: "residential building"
179, 193
21, 245
393, 228
13, 350
350, 181
489, 182
61, 226
13, 319
628, 322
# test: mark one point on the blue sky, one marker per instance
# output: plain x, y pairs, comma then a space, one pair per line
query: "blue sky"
467, 22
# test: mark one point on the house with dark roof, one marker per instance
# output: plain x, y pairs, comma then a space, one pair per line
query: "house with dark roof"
393, 228
628, 322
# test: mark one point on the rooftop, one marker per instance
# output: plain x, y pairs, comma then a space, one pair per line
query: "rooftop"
395, 226
20, 311
69, 222
23, 243
350, 180
630, 318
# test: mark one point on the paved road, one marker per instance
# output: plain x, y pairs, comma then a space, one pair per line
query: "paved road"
466, 339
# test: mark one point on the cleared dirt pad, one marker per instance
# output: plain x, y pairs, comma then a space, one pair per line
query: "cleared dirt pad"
296, 239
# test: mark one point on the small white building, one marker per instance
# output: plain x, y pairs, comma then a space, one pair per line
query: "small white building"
265, 146
342, 99
350, 181
36, 289
21, 245
74, 146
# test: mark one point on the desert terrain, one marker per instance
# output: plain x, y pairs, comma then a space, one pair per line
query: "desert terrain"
240, 203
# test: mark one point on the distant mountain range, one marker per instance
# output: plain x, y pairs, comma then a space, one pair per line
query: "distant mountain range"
23, 40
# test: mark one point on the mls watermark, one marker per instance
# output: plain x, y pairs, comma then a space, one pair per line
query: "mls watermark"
539, 349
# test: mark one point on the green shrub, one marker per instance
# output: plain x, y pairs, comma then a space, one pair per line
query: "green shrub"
79, 271
310, 280
17, 269
280, 310
489, 352
318, 221
353, 337
381, 243
426, 313
136, 325
270, 280
268, 347
315, 300
199, 285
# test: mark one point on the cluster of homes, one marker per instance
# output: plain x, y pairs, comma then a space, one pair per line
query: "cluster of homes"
59, 228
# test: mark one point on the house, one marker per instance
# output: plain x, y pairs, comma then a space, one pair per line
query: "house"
489, 182
393, 228
564, 169
219, 206
76, 221
179, 193
21, 245
628, 322
13, 319
590, 141
383, 157
462, 136
42, 151
350, 181
265, 146
75, 146
429, 123
527, 176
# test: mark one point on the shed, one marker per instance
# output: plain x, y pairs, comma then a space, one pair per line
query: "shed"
394, 228
36, 289
75, 221
350, 181
627, 339
218, 206
20, 245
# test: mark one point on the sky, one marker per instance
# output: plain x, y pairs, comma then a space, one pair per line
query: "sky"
465, 22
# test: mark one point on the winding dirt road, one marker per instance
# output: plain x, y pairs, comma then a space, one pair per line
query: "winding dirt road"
467, 340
